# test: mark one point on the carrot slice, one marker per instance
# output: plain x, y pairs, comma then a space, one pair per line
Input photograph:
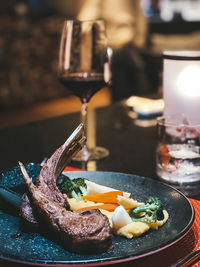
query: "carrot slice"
107, 206
108, 197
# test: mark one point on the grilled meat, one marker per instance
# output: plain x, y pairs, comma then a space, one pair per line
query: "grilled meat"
46, 181
87, 232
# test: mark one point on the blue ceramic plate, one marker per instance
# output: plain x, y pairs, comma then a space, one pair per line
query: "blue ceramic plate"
33, 248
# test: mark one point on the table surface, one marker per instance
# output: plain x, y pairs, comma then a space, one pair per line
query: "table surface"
131, 145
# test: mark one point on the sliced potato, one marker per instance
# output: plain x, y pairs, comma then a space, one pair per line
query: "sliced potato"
128, 203
79, 204
133, 229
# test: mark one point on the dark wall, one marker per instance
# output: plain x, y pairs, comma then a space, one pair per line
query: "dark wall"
29, 44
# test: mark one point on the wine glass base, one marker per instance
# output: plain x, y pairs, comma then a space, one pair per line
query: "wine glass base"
91, 154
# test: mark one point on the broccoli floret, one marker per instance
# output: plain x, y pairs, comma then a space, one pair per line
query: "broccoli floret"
150, 212
74, 188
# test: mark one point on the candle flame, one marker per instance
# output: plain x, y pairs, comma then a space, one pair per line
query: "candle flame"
188, 82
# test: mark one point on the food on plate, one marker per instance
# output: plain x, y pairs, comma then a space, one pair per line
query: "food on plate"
128, 203
133, 229
144, 217
127, 216
94, 188
149, 212
108, 197
120, 218
49, 174
87, 232
74, 188
83, 187
82, 214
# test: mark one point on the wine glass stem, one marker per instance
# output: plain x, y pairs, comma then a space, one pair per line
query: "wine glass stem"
84, 111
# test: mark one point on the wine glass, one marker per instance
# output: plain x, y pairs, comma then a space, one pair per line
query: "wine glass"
84, 69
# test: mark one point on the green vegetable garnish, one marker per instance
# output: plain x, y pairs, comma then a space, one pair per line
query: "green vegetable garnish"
73, 188
150, 212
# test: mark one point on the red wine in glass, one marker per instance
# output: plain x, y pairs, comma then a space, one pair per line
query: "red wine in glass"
84, 69
83, 87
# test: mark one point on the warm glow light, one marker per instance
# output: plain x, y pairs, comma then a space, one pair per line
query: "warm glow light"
188, 82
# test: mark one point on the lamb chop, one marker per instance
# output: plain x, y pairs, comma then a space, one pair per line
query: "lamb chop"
86, 232
46, 181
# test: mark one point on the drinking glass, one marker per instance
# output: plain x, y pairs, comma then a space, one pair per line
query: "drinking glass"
178, 153
84, 69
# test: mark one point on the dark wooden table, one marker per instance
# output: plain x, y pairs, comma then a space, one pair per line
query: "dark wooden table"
132, 147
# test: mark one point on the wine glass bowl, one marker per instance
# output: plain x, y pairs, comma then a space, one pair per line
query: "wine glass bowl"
83, 69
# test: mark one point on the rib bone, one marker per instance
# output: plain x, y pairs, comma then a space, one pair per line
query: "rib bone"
87, 232
46, 181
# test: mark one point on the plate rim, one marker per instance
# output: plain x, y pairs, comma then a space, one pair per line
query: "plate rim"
114, 259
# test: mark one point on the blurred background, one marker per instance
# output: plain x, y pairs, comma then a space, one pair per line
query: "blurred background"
138, 31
